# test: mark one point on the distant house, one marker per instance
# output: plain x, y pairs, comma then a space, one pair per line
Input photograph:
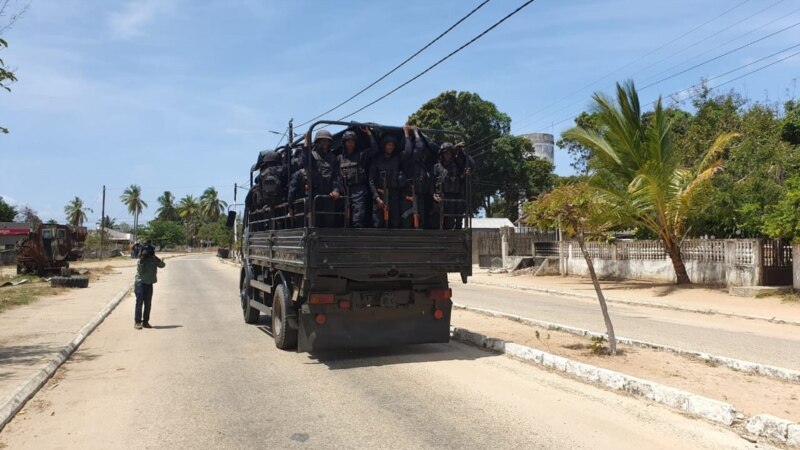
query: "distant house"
13, 232
10, 234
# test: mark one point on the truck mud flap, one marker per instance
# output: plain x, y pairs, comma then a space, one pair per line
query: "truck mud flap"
373, 327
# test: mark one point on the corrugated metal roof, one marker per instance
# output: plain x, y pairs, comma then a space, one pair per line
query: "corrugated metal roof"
491, 223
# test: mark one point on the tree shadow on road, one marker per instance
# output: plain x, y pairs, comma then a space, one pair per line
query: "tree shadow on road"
26, 354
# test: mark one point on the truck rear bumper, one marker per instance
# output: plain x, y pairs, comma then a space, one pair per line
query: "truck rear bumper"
374, 327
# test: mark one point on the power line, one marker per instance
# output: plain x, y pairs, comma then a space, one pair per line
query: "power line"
740, 68
383, 77
496, 24
724, 13
719, 56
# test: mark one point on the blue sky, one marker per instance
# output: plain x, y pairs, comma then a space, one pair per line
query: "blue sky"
181, 94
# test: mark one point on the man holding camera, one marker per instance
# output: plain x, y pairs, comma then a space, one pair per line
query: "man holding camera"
146, 271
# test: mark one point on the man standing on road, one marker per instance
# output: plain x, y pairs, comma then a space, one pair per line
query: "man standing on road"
146, 271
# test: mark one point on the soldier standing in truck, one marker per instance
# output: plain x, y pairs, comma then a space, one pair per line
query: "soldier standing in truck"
353, 167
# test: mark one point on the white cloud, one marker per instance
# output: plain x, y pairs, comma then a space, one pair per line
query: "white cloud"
135, 15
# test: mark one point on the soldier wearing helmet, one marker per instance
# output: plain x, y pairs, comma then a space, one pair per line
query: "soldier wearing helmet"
387, 182
321, 178
353, 166
449, 187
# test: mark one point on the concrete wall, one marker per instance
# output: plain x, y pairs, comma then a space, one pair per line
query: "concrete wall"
738, 267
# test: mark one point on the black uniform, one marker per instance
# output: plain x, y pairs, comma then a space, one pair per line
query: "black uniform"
420, 183
324, 179
355, 181
387, 181
450, 188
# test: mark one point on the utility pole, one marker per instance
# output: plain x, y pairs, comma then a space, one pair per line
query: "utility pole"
103, 224
235, 228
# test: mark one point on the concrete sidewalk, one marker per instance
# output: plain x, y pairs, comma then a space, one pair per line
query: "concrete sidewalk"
33, 335
692, 298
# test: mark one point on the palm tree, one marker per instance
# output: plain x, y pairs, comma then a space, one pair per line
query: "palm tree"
76, 212
210, 205
132, 198
167, 209
189, 211
639, 173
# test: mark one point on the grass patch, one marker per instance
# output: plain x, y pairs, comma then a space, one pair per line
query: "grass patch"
24, 294
791, 297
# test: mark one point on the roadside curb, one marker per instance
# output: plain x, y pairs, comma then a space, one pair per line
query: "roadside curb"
230, 263
695, 405
775, 429
634, 303
731, 363
27, 390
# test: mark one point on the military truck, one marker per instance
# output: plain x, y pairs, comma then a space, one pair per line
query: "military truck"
336, 288
49, 249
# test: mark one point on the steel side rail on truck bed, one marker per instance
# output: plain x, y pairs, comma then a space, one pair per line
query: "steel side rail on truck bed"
354, 252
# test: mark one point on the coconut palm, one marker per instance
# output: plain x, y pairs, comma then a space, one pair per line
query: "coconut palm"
76, 212
166, 209
639, 172
189, 212
210, 205
132, 198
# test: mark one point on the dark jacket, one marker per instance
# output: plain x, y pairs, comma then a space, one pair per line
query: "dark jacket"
353, 169
449, 178
147, 268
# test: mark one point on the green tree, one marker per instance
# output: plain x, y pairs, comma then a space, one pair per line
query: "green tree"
783, 221
107, 222
580, 214
211, 206
132, 198
580, 154
165, 233
9, 17
755, 168
7, 212
76, 212
790, 125
189, 211
639, 172
166, 207
481, 123
216, 232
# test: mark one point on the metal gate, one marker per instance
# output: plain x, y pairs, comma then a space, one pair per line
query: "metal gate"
777, 263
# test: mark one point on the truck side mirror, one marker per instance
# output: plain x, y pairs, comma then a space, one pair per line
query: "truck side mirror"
231, 219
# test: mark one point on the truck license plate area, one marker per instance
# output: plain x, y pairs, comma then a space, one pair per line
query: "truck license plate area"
391, 299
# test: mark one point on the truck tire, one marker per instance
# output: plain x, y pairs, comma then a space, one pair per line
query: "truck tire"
70, 282
251, 315
285, 336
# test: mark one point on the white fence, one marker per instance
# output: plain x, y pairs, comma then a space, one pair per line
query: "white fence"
717, 262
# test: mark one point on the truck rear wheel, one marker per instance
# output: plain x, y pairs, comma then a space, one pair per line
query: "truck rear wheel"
285, 336
251, 314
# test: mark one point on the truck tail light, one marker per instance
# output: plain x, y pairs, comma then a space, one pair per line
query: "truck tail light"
320, 319
321, 299
438, 314
344, 304
440, 294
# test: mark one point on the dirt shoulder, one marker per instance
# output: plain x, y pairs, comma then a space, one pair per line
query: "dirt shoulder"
694, 297
751, 394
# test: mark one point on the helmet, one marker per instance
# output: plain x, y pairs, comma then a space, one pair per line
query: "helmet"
271, 157
349, 135
446, 147
323, 134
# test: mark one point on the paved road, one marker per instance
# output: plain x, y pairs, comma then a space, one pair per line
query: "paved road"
204, 379
750, 340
